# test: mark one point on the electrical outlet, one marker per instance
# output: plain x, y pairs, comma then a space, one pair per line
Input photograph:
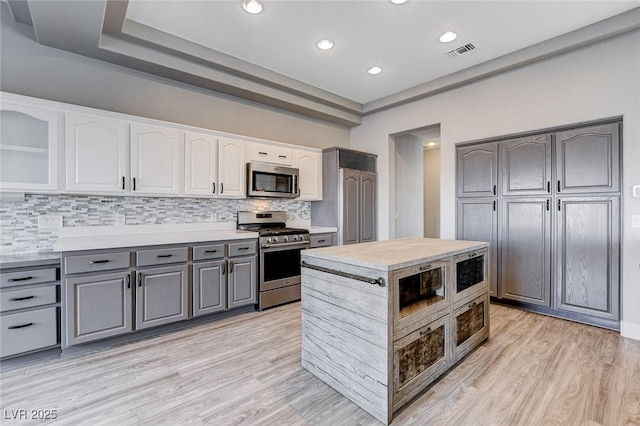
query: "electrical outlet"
224, 216
49, 221
635, 221
120, 219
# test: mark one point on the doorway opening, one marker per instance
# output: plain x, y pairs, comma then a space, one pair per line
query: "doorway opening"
417, 183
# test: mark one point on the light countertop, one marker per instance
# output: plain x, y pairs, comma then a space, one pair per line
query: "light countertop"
30, 259
393, 254
105, 237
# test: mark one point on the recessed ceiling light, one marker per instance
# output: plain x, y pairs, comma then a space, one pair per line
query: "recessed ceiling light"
398, 1
448, 36
252, 6
432, 143
324, 44
374, 70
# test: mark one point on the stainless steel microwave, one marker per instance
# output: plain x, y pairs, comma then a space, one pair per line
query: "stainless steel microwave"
271, 180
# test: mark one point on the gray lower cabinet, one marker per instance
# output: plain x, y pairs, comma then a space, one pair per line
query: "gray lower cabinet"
209, 287
97, 307
28, 309
242, 285
478, 221
368, 207
162, 296
588, 234
525, 251
321, 240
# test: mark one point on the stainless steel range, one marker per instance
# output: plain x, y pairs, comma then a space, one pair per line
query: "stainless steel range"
279, 255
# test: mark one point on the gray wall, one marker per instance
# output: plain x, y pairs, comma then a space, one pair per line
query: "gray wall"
432, 193
594, 82
30, 69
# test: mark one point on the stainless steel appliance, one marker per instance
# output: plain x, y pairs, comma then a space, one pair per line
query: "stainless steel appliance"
271, 180
349, 201
279, 248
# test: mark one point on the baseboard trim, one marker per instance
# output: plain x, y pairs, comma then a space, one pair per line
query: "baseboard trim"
630, 330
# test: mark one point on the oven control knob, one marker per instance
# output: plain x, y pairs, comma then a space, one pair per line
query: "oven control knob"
285, 238
295, 237
269, 239
275, 239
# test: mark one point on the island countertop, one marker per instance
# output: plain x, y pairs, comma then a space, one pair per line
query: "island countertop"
390, 255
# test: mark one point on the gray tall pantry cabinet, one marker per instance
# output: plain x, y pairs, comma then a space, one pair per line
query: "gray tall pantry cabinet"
350, 195
549, 204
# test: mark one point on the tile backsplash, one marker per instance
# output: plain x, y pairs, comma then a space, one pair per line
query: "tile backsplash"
19, 232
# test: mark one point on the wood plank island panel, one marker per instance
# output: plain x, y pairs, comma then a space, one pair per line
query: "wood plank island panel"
378, 318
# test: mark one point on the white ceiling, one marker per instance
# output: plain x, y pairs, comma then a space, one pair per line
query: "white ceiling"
402, 39
271, 59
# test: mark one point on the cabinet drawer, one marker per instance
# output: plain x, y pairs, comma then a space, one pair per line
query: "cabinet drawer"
162, 256
242, 249
27, 298
470, 273
96, 262
419, 356
28, 331
470, 325
8, 279
213, 251
321, 240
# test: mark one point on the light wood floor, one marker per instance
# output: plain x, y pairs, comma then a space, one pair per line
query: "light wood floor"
246, 370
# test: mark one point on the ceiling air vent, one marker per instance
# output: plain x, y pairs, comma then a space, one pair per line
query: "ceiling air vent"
460, 50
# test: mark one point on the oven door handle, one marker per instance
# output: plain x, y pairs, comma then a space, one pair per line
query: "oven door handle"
303, 245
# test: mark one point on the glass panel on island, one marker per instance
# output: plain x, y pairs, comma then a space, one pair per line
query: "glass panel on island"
421, 290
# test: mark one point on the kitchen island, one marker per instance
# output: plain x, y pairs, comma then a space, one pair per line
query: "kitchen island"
383, 320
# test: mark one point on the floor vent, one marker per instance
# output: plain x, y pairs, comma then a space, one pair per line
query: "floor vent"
460, 50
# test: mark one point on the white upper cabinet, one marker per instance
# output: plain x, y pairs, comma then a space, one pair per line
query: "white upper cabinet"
309, 164
157, 160
97, 154
232, 173
201, 164
28, 147
271, 154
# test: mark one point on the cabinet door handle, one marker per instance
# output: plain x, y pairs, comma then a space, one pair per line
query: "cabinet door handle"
123, 183
127, 280
211, 251
558, 186
231, 267
139, 279
243, 248
425, 332
93, 262
321, 241
558, 205
164, 256
282, 156
494, 205
471, 305
223, 268
13, 280
221, 187
495, 190
547, 205
549, 187
472, 254
424, 268
134, 184
213, 184
17, 299
20, 326
262, 153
